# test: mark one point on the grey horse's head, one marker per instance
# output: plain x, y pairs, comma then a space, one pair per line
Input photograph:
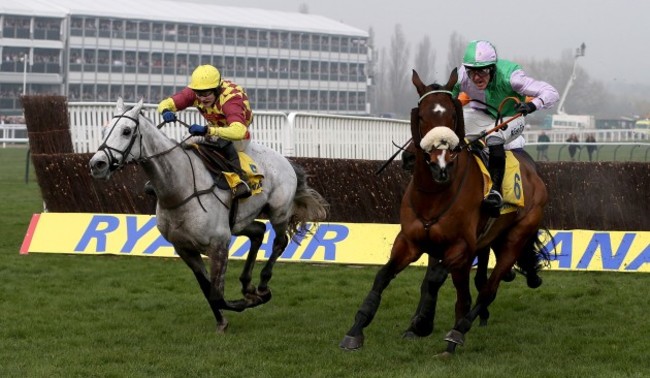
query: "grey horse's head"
119, 138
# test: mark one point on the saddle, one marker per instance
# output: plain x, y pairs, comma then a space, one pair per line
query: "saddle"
216, 163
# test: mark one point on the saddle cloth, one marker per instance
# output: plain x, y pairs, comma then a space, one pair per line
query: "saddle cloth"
511, 188
216, 164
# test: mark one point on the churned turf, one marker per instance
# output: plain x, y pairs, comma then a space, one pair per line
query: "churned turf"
119, 316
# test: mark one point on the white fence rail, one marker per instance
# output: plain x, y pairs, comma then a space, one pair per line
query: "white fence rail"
294, 134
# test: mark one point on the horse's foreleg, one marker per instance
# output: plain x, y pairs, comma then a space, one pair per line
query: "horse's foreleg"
218, 265
456, 336
402, 255
422, 321
196, 264
255, 233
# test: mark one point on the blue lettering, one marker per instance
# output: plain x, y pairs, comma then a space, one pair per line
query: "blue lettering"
242, 250
603, 242
160, 242
266, 247
643, 258
99, 226
340, 233
563, 241
133, 234
296, 241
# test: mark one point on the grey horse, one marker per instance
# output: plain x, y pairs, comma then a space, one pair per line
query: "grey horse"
192, 213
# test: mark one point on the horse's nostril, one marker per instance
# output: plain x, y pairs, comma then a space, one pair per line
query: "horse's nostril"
98, 165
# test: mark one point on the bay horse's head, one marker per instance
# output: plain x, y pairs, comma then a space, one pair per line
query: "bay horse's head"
119, 139
437, 126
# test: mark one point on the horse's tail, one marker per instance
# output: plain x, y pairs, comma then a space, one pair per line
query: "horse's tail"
308, 204
536, 254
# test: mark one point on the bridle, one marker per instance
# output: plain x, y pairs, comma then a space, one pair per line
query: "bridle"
427, 223
113, 163
454, 155
109, 151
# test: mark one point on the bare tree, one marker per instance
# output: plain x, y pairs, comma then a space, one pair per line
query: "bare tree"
398, 73
303, 8
425, 60
457, 45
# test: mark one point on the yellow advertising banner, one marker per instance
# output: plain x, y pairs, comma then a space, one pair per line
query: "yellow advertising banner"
340, 243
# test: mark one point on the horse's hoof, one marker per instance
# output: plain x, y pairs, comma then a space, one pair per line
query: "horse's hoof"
483, 323
408, 334
444, 355
534, 281
351, 342
455, 337
221, 327
264, 295
510, 276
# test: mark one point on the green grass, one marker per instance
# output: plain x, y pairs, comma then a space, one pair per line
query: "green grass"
605, 153
115, 316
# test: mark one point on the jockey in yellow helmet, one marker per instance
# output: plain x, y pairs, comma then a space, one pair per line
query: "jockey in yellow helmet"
225, 107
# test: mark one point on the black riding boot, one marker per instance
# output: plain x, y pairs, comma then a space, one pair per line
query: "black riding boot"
241, 189
497, 167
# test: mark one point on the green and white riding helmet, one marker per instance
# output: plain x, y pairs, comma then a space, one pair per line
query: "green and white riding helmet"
480, 54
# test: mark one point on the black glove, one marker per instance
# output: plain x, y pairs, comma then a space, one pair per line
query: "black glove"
525, 108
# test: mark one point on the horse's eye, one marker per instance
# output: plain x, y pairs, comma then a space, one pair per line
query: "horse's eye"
126, 132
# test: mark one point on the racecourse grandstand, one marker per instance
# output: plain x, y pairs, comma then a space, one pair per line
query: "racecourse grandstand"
96, 51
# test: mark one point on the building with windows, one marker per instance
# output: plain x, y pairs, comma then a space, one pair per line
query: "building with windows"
99, 50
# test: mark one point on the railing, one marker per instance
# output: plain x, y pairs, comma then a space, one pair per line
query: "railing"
293, 134
330, 136
13, 134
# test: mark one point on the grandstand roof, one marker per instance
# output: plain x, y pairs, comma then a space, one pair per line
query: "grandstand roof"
174, 11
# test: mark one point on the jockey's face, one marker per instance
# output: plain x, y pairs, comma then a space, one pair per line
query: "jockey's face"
479, 76
207, 97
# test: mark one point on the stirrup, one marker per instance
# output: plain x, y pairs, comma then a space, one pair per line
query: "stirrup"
241, 191
494, 199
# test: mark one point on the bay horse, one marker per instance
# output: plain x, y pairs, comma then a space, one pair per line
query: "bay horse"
192, 213
441, 215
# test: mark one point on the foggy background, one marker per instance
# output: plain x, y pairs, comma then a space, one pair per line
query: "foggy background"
611, 79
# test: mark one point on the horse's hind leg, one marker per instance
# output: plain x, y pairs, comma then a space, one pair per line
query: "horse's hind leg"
279, 244
255, 233
422, 321
480, 280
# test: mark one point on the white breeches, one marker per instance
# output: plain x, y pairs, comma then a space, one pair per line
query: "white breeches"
476, 121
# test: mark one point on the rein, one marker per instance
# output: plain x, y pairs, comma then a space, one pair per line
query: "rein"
115, 165
427, 223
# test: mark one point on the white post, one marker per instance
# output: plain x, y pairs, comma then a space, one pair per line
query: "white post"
25, 59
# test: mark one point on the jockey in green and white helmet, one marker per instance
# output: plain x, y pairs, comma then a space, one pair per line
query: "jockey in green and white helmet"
488, 80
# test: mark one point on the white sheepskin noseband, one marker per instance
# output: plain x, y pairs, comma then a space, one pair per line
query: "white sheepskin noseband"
439, 138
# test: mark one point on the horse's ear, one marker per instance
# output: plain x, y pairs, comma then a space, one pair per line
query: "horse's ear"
453, 79
119, 107
419, 85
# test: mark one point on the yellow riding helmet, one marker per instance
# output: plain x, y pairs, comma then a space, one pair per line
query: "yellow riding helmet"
205, 77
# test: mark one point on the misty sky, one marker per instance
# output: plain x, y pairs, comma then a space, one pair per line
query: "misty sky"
616, 33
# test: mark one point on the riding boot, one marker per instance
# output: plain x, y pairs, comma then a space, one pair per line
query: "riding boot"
148, 189
237, 179
496, 165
